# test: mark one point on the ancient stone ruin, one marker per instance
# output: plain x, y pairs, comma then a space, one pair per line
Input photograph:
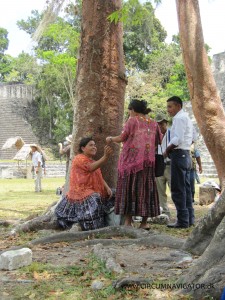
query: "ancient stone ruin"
14, 100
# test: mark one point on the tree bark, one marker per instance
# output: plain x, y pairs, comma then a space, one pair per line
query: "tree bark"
206, 103
208, 270
45, 221
207, 108
100, 81
208, 237
203, 233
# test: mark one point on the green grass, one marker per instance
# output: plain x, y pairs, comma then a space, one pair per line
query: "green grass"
68, 282
74, 282
18, 199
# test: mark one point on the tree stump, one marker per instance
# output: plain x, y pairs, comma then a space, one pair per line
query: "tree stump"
206, 195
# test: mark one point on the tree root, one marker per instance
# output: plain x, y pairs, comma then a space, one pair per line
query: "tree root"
108, 257
130, 235
45, 221
131, 282
208, 269
39, 223
7, 223
203, 233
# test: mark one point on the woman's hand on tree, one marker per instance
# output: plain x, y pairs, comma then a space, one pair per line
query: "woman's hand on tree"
108, 140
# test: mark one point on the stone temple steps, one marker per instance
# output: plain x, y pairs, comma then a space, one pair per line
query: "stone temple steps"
209, 169
12, 170
12, 122
56, 170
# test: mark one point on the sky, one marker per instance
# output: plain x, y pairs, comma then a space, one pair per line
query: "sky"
213, 21
212, 15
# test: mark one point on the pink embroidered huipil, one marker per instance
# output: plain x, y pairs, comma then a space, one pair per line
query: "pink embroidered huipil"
140, 138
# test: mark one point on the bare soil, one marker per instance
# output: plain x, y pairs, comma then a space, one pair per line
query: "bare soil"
159, 264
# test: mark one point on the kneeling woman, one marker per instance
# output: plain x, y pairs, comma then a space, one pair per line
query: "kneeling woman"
89, 195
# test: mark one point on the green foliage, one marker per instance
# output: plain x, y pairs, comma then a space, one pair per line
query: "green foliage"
163, 73
4, 42
165, 77
5, 60
60, 37
143, 32
56, 53
56, 84
31, 24
5, 66
155, 69
24, 68
177, 84
130, 7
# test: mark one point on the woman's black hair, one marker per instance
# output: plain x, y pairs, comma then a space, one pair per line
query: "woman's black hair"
83, 142
139, 106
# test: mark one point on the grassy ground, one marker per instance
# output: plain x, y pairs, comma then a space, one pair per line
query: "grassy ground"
18, 201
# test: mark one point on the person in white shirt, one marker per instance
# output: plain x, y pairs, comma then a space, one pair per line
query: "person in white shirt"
178, 151
37, 166
164, 180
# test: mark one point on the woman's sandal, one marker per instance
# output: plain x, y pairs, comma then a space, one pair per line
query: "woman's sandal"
145, 228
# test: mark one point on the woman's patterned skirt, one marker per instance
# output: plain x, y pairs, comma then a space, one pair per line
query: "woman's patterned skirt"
137, 195
90, 213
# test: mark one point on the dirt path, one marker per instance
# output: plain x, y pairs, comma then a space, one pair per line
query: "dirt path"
159, 264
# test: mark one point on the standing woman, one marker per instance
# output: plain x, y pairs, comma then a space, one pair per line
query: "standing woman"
136, 193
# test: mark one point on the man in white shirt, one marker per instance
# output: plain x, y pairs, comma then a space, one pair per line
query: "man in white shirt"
162, 181
37, 166
179, 152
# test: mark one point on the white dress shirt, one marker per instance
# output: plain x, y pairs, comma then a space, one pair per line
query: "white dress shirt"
36, 157
165, 143
181, 131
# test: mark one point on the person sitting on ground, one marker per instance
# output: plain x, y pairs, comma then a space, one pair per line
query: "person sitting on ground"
89, 195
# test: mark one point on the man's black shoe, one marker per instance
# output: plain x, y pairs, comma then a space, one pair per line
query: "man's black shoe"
176, 225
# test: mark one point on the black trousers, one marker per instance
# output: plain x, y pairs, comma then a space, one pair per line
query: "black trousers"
180, 186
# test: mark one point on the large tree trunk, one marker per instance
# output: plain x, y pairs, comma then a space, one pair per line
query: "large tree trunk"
208, 236
206, 103
203, 233
209, 268
101, 80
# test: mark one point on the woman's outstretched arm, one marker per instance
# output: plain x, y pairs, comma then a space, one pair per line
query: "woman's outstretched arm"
97, 164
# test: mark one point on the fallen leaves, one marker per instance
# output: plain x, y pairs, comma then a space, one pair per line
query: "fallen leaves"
42, 276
